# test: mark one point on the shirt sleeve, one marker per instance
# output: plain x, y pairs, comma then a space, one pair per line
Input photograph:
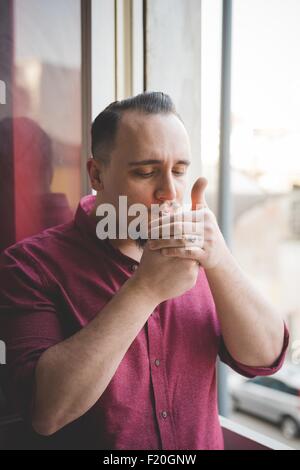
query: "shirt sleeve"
249, 371
29, 324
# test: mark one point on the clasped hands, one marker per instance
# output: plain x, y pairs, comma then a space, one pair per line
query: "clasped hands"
192, 235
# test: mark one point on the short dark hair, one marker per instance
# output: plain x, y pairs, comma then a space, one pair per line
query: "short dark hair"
105, 126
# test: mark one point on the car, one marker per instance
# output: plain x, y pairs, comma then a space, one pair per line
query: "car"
275, 398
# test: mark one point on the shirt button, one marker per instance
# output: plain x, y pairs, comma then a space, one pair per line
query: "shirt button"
164, 414
157, 362
133, 267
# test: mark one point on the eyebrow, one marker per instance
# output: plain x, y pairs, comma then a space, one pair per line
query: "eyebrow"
157, 162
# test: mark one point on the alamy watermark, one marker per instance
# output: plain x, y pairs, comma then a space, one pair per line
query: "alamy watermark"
141, 222
2, 92
2, 352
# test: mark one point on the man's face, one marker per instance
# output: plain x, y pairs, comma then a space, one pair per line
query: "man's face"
149, 161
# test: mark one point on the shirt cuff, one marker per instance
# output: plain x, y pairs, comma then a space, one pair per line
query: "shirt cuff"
249, 371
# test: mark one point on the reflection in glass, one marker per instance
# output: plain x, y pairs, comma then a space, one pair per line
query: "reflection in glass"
41, 123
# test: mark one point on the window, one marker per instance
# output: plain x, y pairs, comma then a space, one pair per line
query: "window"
265, 149
41, 119
265, 144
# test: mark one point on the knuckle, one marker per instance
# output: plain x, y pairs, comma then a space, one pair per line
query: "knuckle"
209, 227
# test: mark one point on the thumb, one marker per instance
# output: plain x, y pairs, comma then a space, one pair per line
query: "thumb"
197, 194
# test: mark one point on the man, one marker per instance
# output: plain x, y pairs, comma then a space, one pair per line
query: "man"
112, 344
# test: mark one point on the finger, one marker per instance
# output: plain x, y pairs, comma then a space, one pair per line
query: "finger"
198, 193
196, 253
197, 216
187, 241
172, 230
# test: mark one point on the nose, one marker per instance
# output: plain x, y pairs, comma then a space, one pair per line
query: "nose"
166, 190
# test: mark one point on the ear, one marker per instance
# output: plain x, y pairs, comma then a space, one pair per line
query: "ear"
94, 171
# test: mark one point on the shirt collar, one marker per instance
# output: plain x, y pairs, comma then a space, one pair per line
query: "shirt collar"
87, 225
83, 221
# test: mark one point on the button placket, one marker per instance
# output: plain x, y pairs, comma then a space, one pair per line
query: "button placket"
160, 386
133, 267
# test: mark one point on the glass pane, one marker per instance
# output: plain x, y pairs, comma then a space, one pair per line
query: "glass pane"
103, 52
40, 128
211, 49
265, 158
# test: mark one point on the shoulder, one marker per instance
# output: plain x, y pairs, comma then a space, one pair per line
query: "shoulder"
28, 255
42, 241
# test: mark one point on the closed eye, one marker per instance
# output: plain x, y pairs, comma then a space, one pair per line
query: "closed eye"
148, 175
145, 175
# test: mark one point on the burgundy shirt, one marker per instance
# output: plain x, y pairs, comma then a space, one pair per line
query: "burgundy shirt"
163, 394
